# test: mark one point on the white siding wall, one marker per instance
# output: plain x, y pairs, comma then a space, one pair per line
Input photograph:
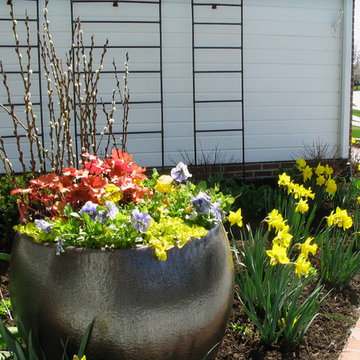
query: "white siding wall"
292, 68
292, 76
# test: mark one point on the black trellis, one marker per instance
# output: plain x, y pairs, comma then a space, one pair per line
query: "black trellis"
157, 22
35, 72
196, 48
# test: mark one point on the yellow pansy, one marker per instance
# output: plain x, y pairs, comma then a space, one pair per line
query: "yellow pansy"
331, 186
302, 266
302, 206
113, 193
307, 248
164, 184
235, 218
278, 255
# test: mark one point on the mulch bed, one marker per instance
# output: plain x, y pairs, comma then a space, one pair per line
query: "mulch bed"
324, 340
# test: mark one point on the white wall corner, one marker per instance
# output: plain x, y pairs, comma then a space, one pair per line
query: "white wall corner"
345, 86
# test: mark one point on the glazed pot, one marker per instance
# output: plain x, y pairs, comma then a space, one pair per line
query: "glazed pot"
140, 307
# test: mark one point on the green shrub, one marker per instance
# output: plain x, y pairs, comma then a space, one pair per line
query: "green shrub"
8, 214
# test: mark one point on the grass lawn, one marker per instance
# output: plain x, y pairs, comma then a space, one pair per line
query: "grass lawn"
356, 112
355, 132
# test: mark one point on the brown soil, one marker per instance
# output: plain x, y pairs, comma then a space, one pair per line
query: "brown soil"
324, 340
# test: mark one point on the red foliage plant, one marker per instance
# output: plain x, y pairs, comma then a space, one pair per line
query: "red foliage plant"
47, 195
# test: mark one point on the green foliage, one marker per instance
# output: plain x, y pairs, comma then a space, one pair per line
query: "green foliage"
9, 214
5, 306
5, 257
346, 195
242, 329
272, 296
340, 260
300, 223
251, 200
23, 349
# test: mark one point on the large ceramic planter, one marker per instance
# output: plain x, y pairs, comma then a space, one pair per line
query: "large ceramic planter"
141, 307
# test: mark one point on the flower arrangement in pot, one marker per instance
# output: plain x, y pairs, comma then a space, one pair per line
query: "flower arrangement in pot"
146, 260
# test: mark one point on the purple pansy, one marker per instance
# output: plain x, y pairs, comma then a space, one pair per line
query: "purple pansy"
214, 209
89, 208
112, 209
140, 220
180, 172
202, 202
44, 225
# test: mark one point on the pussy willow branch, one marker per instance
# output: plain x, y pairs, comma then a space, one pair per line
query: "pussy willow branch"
80, 80
11, 111
28, 105
124, 100
109, 125
56, 72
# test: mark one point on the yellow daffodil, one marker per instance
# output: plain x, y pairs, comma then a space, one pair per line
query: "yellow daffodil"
299, 191
331, 219
320, 169
290, 187
302, 266
340, 218
278, 255
307, 173
302, 206
309, 194
353, 140
275, 220
164, 184
358, 199
320, 180
307, 248
328, 170
301, 163
283, 238
344, 220
283, 322
77, 358
235, 218
284, 179
331, 186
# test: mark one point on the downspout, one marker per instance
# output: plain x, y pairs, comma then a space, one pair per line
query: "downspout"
345, 82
